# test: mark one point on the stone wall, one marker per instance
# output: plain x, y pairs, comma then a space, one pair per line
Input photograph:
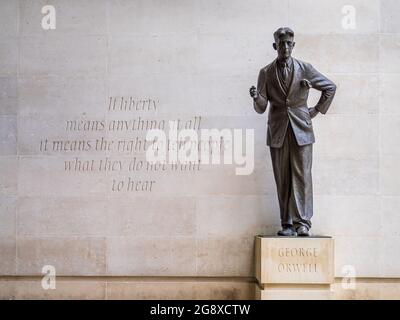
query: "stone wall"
192, 60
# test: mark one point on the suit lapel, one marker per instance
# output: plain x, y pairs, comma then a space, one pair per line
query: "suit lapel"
294, 75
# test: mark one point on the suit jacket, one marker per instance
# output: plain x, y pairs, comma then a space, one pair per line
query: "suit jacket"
292, 105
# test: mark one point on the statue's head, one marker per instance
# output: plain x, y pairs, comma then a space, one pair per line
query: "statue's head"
284, 43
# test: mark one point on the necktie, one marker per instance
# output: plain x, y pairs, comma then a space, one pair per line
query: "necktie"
285, 72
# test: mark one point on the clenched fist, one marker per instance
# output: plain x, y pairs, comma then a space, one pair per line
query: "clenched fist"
253, 92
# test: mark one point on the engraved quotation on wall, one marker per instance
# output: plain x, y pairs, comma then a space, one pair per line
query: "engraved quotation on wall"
114, 144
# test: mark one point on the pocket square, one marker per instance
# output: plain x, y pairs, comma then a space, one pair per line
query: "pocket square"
306, 83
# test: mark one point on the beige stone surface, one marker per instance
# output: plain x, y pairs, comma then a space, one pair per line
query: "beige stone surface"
359, 175
238, 14
294, 260
143, 55
68, 255
8, 215
326, 16
389, 10
390, 250
388, 53
318, 50
339, 214
359, 255
8, 173
348, 101
195, 58
63, 97
8, 255
223, 256
347, 141
388, 93
219, 215
367, 289
8, 55
9, 18
72, 289
184, 290
126, 288
38, 175
54, 55
8, 135
389, 209
294, 293
136, 18
8, 95
151, 256
62, 216
389, 177
73, 17
390, 134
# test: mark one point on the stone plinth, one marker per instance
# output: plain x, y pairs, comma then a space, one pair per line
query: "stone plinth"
294, 268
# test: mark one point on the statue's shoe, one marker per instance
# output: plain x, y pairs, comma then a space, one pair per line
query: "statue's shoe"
287, 232
303, 231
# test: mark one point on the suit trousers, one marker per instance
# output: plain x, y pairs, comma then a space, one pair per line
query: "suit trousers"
292, 171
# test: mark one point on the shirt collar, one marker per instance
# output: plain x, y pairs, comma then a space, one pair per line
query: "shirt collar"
289, 63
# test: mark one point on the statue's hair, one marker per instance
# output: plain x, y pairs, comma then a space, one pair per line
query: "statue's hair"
281, 32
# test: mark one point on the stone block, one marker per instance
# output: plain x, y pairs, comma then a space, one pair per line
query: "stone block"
156, 55
389, 94
329, 53
338, 215
54, 55
8, 135
294, 260
137, 216
326, 17
218, 216
389, 11
8, 18
8, 255
335, 135
225, 256
236, 17
389, 207
8, 95
151, 256
180, 290
354, 94
72, 17
389, 60
38, 175
389, 134
7, 216
54, 216
8, 56
69, 255
62, 96
389, 175
359, 175
152, 18
66, 289
8, 174
299, 292
358, 256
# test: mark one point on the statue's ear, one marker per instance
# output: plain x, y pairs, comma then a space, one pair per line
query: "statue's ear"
274, 45
294, 43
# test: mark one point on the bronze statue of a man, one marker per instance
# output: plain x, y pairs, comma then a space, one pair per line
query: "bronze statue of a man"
285, 84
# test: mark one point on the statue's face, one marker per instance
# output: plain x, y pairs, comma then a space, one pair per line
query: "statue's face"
284, 47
